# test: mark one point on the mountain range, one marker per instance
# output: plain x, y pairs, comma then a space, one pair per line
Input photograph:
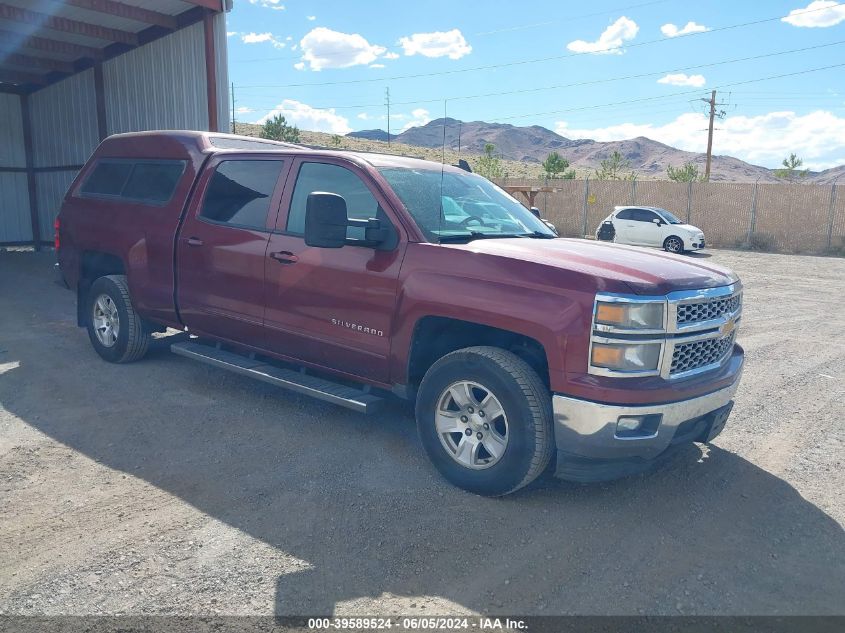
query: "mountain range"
648, 158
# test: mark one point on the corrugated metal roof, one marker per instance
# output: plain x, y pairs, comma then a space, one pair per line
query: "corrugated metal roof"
18, 74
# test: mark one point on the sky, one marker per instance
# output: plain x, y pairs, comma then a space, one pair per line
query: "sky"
605, 70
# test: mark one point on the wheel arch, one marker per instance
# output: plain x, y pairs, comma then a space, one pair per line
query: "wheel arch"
93, 265
435, 336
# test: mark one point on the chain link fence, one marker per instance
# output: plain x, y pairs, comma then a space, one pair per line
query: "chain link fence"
784, 218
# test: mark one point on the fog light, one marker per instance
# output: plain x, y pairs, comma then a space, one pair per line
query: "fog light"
637, 426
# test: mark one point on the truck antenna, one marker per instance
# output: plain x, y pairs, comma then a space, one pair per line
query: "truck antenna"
442, 167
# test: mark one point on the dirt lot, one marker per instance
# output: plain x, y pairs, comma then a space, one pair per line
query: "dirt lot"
170, 487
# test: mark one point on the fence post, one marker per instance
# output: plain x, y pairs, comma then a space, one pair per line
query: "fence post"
586, 196
689, 200
830, 215
546, 199
634, 191
752, 224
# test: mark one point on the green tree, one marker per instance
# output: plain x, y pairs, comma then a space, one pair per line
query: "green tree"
687, 173
489, 165
611, 168
277, 129
556, 166
791, 169
336, 140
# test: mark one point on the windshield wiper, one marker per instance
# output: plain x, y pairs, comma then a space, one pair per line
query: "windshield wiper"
478, 235
539, 235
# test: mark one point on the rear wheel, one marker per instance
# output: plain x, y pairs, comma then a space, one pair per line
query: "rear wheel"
485, 420
673, 244
114, 327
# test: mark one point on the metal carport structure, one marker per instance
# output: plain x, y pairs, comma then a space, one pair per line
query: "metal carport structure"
75, 71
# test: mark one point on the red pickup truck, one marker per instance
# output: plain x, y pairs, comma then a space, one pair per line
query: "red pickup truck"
352, 276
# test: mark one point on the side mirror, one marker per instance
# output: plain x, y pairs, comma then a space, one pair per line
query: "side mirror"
551, 226
325, 220
657, 221
536, 212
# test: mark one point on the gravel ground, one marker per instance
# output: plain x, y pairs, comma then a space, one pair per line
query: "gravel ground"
169, 487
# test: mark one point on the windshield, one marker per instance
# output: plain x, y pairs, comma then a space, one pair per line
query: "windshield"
466, 207
671, 219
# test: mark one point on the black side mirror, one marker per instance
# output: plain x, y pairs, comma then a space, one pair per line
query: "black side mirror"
325, 220
536, 212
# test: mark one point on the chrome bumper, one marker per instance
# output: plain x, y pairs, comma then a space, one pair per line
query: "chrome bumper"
587, 431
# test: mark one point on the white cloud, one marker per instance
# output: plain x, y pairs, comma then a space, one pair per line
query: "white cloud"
258, 38
817, 137
299, 65
451, 44
670, 30
363, 116
610, 41
307, 118
324, 48
311, 18
682, 79
376, 65
392, 56
418, 117
231, 33
244, 110
817, 14
276, 5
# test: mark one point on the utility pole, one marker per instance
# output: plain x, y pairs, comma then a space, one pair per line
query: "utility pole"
459, 138
713, 114
387, 103
233, 108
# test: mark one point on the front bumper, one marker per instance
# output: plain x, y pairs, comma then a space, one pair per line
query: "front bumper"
694, 243
590, 447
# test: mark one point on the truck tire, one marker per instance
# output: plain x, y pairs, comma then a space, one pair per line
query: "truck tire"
117, 332
493, 452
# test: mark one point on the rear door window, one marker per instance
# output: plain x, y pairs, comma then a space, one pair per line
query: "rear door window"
240, 191
108, 178
624, 214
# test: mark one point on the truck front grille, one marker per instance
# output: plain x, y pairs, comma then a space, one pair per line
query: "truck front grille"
708, 310
689, 356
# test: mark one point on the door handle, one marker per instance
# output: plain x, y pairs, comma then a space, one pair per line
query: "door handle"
284, 257
194, 241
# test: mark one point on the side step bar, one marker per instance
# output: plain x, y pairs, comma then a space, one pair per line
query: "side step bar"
319, 388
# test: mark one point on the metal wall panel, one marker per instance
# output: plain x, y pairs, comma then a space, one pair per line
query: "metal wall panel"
11, 132
224, 115
159, 86
50, 187
15, 224
64, 122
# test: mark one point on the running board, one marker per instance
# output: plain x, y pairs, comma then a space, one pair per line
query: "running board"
319, 388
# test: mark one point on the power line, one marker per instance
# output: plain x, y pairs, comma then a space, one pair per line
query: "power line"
677, 94
570, 18
590, 82
515, 63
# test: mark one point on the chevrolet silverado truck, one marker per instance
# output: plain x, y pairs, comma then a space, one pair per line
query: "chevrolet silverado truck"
354, 277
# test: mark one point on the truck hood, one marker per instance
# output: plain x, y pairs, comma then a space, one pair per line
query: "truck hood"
644, 271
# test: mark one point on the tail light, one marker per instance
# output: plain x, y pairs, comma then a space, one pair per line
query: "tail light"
56, 240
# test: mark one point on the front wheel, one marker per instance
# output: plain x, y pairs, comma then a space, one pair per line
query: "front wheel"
485, 420
116, 331
673, 244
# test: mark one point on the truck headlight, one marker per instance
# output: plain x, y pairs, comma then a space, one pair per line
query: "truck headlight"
626, 356
630, 316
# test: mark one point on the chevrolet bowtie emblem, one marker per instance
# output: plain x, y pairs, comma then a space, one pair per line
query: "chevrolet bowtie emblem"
727, 328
